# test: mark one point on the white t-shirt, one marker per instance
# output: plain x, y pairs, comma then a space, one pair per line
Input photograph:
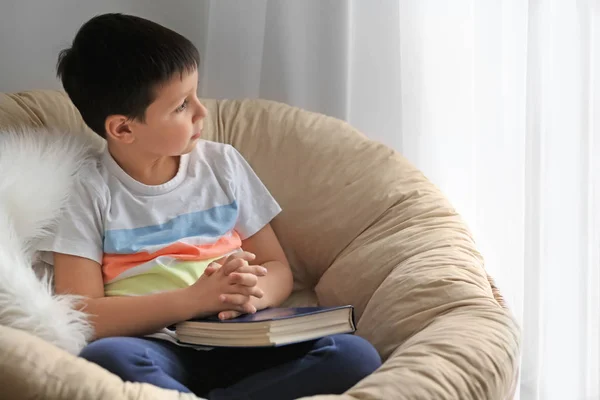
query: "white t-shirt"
151, 239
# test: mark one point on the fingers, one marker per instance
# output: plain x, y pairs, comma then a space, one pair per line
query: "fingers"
221, 260
229, 315
246, 255
215, 265
232, 264
253, 291
257, 270
245, 291
242, 279
211, 269
235, 300
237, 260
238, 302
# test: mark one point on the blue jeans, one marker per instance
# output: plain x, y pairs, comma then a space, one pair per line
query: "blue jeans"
330, 365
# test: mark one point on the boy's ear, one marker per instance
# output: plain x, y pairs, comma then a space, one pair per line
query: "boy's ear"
119, 128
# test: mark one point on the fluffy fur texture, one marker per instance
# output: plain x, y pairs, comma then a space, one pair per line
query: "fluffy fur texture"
37, 169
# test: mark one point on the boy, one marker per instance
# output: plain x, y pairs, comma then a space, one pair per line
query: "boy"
165, 227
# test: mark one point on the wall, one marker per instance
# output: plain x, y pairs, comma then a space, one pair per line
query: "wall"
32, 32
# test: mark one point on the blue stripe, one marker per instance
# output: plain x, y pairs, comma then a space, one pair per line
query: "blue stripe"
214, 222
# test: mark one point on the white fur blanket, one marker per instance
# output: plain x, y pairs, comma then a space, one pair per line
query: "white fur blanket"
37, 169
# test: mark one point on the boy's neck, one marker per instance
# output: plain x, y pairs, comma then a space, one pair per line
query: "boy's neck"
149, 170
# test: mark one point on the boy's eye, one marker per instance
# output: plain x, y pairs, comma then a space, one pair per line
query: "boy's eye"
182, 107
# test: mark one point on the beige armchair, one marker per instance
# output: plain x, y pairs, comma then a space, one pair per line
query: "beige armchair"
360, 226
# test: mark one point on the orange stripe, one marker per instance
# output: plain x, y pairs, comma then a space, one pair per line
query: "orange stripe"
115, 264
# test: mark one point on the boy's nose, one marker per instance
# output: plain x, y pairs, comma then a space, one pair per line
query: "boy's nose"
201, 111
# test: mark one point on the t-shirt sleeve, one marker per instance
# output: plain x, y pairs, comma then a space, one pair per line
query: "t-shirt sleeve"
79, 230
256, 205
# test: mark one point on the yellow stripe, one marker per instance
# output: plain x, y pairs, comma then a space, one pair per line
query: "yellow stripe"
160, 278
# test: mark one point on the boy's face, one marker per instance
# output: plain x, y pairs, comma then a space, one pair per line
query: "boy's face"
173, 122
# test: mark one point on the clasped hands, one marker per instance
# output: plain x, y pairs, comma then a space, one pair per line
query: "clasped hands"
231, 284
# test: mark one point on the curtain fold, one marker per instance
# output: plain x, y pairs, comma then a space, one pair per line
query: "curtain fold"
498, 102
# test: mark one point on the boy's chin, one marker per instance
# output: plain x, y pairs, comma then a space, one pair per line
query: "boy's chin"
190, 147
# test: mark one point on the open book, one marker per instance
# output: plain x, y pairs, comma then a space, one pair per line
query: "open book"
270, 327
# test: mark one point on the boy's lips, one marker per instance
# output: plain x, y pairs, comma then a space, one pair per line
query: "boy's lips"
197, 135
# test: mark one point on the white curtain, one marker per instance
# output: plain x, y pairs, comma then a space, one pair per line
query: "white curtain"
497, 101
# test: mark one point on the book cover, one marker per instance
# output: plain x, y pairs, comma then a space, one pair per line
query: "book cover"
273, 314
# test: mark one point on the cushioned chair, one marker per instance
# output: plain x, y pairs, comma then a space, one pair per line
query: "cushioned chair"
360, 226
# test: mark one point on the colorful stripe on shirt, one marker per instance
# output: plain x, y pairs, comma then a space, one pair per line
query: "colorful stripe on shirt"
170, 255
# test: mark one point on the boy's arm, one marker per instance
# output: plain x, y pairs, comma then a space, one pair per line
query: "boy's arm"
277, 284
116, 316
138, 315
